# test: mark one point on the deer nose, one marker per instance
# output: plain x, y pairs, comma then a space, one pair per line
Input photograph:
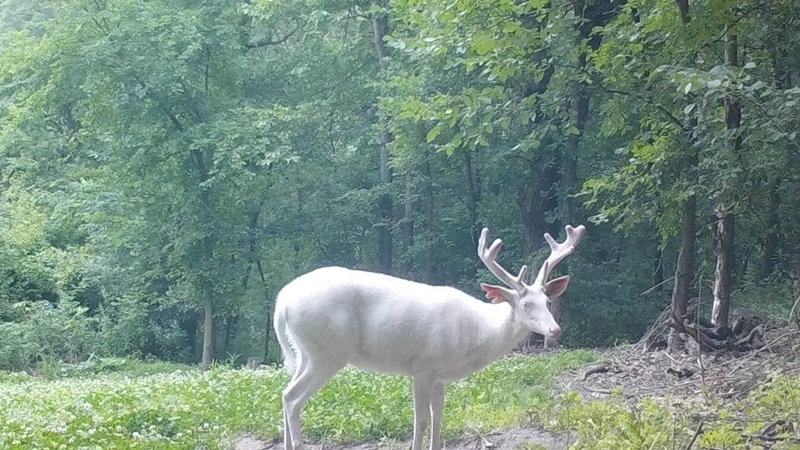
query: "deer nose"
555, 331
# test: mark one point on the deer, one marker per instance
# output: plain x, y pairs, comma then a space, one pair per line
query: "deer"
334, 316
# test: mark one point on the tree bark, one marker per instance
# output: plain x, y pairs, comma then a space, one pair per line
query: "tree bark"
783, 80
230, 327
190, 323
408, 221
771, 238
658, 270
201, 159
683, 8
385, 241
537, 201
684, 272
431, 216
473, 199
579, 110
208, 332
270, 309
724, 227
723, 282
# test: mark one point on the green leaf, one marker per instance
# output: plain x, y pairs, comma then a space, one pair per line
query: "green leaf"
434, 132
483, 43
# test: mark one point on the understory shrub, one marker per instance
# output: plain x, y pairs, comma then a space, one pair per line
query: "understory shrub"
659, 422
60, 332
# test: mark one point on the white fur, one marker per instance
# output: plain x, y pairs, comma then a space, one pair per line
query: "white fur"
333, 316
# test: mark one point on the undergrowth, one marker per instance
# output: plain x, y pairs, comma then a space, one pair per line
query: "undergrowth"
188, 409
626, 423
119, 404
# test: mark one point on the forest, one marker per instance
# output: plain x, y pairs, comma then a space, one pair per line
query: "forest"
168, 166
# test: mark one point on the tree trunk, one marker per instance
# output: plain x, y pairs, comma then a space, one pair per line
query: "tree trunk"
201, 159
385, 203
191, 324
230, 332
771, 238
208, 332
408, 221
685, 269
270, 309
658, 270
579, 112
683, 8
723, 283
783, 80
252, 241
794, 271
431, 216
723, 229
537, 201
473, 199
385, 245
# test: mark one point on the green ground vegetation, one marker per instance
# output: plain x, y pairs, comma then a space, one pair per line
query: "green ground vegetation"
186, 408
119, 404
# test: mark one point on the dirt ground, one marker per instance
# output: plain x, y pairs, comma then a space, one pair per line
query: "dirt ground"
688, 377
510, 439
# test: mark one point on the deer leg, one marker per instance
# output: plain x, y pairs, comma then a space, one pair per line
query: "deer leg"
305, 384
422, 412
437, 406
302, 365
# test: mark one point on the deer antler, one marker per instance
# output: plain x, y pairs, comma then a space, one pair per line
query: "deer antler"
489, 257
559, 251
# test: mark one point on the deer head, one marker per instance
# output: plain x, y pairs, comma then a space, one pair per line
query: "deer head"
530, 301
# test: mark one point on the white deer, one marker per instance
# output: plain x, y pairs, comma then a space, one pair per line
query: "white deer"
332, 317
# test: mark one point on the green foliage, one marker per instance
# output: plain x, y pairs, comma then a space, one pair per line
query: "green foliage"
607, 425
129, 327
174, 410
47, 333
773, 298
185, 408
161, 158
121, 403
626, 423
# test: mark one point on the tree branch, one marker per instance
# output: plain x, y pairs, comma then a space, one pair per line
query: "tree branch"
269, 41
660, 108
599, 83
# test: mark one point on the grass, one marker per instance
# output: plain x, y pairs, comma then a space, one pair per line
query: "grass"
118, 404
128, 407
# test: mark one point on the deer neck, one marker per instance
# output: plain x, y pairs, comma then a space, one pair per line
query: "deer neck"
504, 332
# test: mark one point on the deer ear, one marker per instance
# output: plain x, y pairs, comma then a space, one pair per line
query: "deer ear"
498, 294
556, 287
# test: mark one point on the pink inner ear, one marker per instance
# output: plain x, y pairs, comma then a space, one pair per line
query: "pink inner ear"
493, 292
554, 288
